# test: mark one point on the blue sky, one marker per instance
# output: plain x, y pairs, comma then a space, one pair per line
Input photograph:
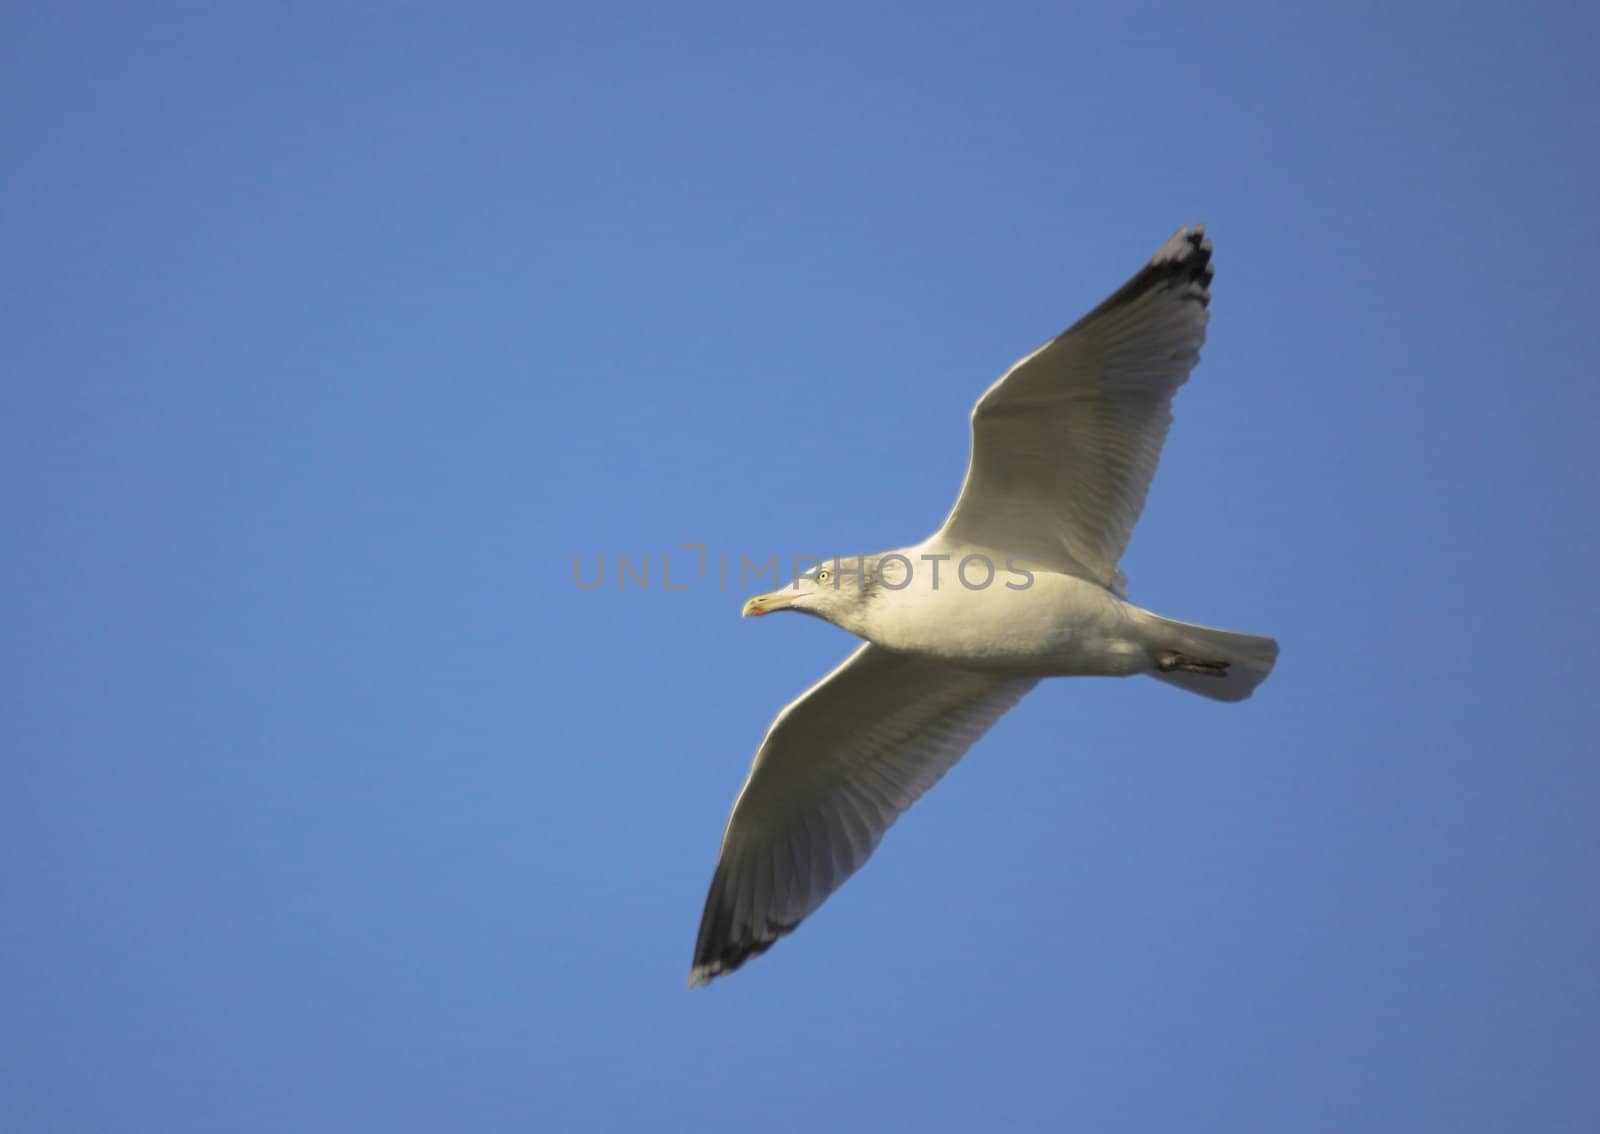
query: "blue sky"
331, 335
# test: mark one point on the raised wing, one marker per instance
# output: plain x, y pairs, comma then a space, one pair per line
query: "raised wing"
836, 769
1064, 445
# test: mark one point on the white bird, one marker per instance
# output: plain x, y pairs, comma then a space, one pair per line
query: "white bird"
1020, 583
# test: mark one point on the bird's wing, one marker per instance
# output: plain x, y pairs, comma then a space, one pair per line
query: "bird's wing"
837, 767
1065, 443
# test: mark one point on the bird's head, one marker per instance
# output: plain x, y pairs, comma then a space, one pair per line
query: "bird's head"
838, 591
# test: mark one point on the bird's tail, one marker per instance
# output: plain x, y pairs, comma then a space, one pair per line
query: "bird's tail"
1221, 664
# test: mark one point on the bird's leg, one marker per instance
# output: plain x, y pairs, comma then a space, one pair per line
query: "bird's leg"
1168, 661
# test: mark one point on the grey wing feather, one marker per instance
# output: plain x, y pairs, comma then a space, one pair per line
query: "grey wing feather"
1065, 444
836, 769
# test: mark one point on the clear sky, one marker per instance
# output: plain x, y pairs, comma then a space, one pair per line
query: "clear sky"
330, 335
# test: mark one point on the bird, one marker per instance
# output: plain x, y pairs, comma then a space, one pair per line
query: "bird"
1020, 583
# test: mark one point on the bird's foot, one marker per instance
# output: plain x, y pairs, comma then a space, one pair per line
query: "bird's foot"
1170, 661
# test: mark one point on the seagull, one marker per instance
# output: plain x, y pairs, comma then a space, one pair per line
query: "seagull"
1021, 583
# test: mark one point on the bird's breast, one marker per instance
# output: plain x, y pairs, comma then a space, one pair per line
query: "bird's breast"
1051, 624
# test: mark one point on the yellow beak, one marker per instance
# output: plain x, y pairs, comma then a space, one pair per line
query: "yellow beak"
766, 604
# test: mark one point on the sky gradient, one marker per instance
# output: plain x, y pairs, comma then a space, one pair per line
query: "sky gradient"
330, 338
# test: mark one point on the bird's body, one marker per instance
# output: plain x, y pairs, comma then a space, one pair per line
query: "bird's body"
1019, 584
1025, 621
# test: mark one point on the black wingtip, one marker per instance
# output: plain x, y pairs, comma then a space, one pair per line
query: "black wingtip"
711, 963
1185, 259
1182, 264
722, 947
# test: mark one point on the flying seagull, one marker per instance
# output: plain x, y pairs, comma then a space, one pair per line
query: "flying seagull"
1020, 583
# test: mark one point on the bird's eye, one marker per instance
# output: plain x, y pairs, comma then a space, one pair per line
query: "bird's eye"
822, 576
